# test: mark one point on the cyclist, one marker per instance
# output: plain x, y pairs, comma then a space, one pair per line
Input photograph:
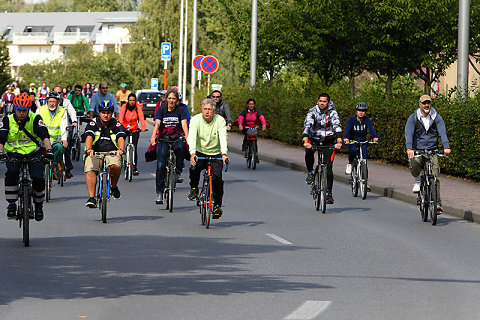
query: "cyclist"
20, 135
100, 96
42, 92
56, 121
208, 137
250, 117
222, 108
32, 88
79, 101
72, 120
122, 95
7, 99
322, 127
356, 129
421, 133
35, 102
170, 123
130, 114
103, 134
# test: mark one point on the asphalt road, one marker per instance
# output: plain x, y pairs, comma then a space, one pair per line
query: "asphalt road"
271, 256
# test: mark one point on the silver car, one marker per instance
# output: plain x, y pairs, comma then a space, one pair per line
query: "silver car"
149, 99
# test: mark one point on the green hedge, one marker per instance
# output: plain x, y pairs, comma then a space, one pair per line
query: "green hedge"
285, 107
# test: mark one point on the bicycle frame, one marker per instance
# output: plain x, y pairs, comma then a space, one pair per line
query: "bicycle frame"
103, 181
319, 178
170, 171
252, 147
359, 175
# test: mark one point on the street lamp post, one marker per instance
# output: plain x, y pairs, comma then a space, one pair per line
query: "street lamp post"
253, 45
463, 44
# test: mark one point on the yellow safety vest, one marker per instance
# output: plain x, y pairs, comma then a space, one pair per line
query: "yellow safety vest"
53, 125
113, 137
17, 140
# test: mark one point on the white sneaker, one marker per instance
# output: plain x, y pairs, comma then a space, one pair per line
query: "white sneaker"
348, 169
416, 187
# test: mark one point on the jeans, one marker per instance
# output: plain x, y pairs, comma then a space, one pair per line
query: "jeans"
162, 158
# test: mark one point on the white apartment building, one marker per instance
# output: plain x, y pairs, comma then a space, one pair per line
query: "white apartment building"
35, 37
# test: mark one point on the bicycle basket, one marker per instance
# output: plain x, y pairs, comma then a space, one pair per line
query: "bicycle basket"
252, 133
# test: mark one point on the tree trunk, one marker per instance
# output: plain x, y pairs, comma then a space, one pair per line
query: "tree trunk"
388, 87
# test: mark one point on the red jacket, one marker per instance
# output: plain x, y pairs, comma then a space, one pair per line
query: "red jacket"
127, 117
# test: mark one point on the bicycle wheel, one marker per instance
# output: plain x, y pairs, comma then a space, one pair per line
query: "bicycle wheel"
104, 198
208, 202
354, 180
130, 162
254, 155
316, 189
432, 208
171, 186
78, 144
424, 200
201, 203
323, 189
363, 180
48, 182
249, 153
25, 208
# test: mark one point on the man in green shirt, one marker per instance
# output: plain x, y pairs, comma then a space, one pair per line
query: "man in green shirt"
208, 137
79, 101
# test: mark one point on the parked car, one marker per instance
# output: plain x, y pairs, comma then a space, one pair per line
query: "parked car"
149, 98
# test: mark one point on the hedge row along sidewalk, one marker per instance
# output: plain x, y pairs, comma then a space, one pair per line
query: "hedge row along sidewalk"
460, 198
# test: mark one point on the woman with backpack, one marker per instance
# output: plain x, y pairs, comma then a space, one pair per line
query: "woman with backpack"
130, 114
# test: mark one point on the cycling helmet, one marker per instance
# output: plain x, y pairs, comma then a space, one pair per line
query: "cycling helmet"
163, 92
180, 97
22, 101
53, 94
105, 105
362, 106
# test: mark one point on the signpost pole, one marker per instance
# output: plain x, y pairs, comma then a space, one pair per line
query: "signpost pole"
208, 84
165, 75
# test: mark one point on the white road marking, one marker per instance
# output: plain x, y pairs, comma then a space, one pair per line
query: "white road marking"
309, 310
281, 240
153, 174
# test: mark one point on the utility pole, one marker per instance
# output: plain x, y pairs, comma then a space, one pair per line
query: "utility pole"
194, 54
180, 55
184, 78
463, 44
253, 45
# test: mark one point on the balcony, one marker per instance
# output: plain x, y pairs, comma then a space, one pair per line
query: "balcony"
118, 36
71, 37
20, 38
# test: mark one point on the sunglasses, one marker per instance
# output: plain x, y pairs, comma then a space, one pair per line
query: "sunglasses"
216, 97
104, 88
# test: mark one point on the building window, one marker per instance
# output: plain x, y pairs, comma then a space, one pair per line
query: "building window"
65, 51
111, 27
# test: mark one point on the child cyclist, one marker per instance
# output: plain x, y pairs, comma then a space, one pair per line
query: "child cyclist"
356, 129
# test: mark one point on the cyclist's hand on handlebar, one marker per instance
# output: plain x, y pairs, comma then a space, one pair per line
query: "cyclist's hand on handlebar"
338, 145
49, 155
240, 127
264, 127
119, 153
346, 141
74, 124
306, 143
375, 139
64, 143
226, 159
410, 153
193, 160
144, 129
90, 152
447, 151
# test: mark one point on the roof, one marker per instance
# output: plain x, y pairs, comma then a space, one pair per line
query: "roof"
18, 21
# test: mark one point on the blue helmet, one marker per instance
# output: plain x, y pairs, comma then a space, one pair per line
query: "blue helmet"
362, 106
105, 105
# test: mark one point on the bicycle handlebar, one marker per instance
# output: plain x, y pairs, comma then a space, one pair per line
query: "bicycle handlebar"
317, 147
181, 138
361, 142
106, 153
426, 153
227, 161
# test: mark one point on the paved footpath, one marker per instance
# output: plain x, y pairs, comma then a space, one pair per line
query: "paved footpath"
460, 198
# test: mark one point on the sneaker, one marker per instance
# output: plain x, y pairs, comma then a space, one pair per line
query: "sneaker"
178, 178
245, 155
369, 189
329, 198
115, 192
193, 195
348, 169
12, 210
159, 199
68, 174
416, 187
38, 211
309, 179
439, 210
135, 172
217, 212
91, 203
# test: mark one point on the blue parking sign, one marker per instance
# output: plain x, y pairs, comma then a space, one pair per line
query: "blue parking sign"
166, 51
154, 84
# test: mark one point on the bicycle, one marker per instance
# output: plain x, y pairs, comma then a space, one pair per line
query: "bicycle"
252, 147
76, 141
427, 196
129, 159
359, 174
7, 109
319, 185
205, 197
103, 183
170, 172
48, 174
25, 208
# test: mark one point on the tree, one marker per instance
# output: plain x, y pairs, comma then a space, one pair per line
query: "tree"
5, 75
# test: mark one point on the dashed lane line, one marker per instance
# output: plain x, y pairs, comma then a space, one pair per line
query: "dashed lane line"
309, 310
281, 240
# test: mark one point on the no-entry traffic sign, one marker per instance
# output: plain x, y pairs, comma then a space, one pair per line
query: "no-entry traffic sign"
209, 64
197, 62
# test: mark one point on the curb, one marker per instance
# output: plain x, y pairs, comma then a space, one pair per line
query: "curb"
386, 191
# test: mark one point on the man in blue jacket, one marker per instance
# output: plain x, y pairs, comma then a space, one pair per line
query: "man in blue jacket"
421, 133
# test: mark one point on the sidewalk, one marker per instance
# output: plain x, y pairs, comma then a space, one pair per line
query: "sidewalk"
460, 198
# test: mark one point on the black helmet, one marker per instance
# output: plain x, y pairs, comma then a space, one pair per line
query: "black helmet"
105, 105
361, 106
53, 94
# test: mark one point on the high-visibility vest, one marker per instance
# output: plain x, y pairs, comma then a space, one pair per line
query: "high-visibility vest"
113, 137
53, 125
17, 140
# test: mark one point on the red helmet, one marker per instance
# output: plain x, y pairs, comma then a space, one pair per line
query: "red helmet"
22, 101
